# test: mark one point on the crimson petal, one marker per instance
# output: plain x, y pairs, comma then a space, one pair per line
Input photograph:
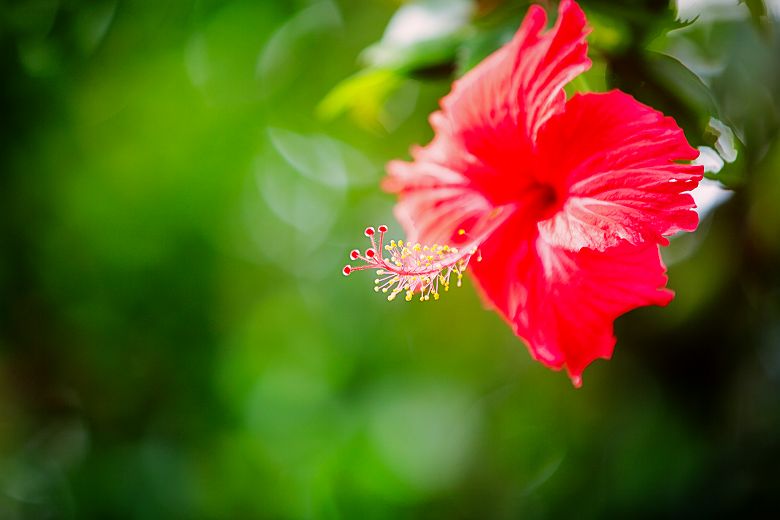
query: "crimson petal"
488, 121
616, 161
564, 303
500, 105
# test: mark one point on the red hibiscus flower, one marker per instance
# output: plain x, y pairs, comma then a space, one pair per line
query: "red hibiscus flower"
586, 188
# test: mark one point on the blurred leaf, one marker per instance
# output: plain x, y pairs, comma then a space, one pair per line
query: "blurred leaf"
645, 18
609, 33
421, 33
479, 46
682, 83
726, 147
494, 24
413, 58
724, 140
362, 96
758, 14
421, 40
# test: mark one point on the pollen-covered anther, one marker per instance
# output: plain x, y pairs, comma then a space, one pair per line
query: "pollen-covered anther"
413, 268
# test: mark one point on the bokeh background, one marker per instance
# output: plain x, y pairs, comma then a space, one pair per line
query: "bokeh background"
180, 183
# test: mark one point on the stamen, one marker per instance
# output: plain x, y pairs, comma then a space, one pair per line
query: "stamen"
412, 268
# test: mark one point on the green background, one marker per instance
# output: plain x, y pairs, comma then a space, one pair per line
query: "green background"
177, 341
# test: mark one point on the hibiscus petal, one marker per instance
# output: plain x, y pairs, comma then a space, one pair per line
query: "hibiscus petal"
492, 114
564, 303
616, 161
497, 108
579, 295
448, 215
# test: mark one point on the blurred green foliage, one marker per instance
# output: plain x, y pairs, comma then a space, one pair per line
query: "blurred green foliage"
179, 190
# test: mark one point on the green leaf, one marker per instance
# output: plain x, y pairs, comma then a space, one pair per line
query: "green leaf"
609, 33
479, 46
421, 34
758, 14
682, 83
410, 59
362, 96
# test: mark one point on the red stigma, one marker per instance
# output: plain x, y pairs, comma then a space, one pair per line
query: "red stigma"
382, 229
370, 253
369, 231
347, 269
354, 254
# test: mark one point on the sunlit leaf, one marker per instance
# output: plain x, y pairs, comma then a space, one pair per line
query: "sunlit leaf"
609, 33
362, 96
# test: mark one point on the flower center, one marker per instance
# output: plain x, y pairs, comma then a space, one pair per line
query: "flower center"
535, 200
539, 201
546, 196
